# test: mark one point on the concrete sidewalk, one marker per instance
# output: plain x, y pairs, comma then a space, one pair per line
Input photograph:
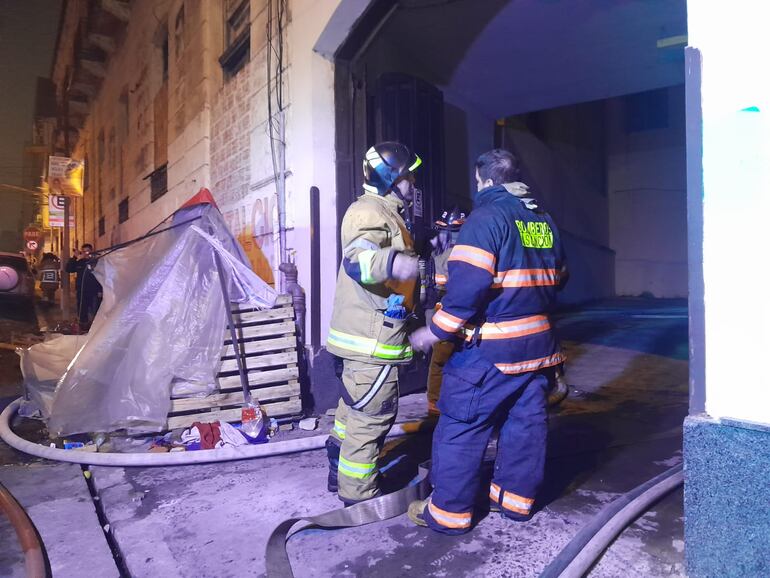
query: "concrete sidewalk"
620, 426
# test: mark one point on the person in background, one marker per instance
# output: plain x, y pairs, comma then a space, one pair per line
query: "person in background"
87, 288
448, 227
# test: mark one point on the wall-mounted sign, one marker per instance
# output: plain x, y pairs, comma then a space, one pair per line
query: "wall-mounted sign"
65, 176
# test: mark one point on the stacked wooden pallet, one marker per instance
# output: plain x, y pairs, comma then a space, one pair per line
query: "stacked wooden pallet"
270, 355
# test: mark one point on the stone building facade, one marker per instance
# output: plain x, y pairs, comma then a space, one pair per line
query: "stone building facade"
167, 97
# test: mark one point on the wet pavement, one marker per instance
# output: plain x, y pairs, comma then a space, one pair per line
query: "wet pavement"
620, 426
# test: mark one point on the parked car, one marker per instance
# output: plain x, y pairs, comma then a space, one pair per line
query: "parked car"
16, 279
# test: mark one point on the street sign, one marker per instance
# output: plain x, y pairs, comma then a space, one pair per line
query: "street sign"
65, 176
33, 234
56, 211
32, 246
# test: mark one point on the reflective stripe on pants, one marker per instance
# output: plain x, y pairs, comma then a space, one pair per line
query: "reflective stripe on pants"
363, 418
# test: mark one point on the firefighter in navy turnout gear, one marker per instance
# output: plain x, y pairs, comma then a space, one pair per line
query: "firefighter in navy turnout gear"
504, 273
448, 228
373, 305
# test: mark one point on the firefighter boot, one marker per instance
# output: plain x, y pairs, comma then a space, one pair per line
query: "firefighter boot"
333, 453
559, 389
416, 512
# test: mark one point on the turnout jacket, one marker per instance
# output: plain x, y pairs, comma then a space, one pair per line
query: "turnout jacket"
504, 273
372, 233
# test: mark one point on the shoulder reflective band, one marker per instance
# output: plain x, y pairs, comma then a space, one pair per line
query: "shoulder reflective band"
526, 278
368, 346
361, 243
374, 389
474, 256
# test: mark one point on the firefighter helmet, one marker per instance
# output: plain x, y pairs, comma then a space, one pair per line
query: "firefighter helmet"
451, 220
385, 164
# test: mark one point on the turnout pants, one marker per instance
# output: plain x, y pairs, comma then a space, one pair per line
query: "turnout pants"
475, 398
365, 414
442, 351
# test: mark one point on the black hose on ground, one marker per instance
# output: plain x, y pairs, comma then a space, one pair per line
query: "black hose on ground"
593, 539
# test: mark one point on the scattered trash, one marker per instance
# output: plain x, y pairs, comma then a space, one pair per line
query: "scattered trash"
230, 436
87, 474
308, 424
274, 427
99, 438
252, 419
218, 434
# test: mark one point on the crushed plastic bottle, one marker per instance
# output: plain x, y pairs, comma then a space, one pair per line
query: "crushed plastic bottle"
252, 420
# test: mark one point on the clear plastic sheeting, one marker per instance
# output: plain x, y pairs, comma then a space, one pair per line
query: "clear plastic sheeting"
159, 329
42, 366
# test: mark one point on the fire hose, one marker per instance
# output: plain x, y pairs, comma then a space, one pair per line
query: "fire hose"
34, 560
225, 454
574, 560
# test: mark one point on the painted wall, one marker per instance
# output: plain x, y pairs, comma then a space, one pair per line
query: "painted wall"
562, 153
468, 134
217, 134
243, 175
120, 139
736, 175
646, 182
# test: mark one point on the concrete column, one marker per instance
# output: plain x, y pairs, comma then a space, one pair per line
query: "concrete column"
727, 448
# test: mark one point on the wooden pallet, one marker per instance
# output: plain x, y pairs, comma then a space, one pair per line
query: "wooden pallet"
270, 353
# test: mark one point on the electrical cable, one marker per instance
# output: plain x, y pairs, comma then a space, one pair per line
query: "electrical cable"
106, 251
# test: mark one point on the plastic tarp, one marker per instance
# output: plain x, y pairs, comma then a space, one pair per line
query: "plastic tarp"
160, 328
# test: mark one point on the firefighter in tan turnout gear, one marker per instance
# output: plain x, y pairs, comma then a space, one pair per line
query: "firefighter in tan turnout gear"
373, 303
448, 227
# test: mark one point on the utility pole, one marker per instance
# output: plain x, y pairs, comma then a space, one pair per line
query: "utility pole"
65, 245
65, 255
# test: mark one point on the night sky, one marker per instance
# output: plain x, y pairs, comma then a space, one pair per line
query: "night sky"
27, 36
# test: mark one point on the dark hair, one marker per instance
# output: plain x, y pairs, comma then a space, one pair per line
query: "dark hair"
89, 245
499, 165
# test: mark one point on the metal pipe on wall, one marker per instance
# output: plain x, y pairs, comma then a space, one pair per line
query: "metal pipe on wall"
281, 192
315, 268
